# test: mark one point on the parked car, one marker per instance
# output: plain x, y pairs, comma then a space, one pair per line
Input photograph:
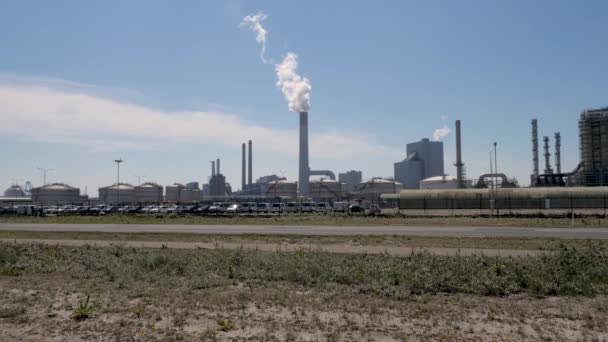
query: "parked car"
248, 207
356, 208
233, 209
374, 209
214, 208
277, 208
292, 207
201, 210
340, 207
322, 207
263, 207
307, 207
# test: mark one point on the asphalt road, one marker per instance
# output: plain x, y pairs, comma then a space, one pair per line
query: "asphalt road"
581, 233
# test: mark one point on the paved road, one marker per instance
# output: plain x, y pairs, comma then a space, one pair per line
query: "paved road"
581, 233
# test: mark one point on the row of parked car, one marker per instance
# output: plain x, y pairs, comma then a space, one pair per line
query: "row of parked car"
221, 208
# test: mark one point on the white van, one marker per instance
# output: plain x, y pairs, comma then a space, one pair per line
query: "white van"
292, 207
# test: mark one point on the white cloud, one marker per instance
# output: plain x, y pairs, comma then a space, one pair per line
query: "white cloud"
254, 23
441, 132
45, 114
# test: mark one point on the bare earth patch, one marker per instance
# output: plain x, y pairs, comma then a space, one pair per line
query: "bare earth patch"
41, 307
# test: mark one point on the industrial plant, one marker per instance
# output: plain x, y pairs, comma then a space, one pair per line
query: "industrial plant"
420, 175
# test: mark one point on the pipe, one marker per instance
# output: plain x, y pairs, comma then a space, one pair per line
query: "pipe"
304, 174
459, 165
217, 165
558, 153
250, 175
243, 169
327, 173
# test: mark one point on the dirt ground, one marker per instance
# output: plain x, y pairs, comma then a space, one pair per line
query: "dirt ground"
39, 308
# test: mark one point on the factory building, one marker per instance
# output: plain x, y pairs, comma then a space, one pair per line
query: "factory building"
373, 188
117, 194
443, 182
424, 159
350, 180
593, 134
55, 194
280, 188
325, 189
148, 193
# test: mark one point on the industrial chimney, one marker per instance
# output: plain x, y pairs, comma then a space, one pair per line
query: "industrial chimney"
212, 168
218, 167
459, 165
547, 156
558, 153
250, 175
304, 175
244, 168
535, 149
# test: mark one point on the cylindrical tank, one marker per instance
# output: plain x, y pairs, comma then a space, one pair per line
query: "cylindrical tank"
372, 189
125, 193
55, 194
281, 188
148, 193
15, 191
326, 189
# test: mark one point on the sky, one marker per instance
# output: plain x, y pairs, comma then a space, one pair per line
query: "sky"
169, 86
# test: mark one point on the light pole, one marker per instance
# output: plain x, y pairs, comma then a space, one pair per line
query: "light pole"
118, 161
44, 171
495, 177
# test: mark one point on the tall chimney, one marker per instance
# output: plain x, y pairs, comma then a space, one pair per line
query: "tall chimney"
558, 153
547, 156
243, 170
250, 175
459, 165
212, 168
535, 171
218, 167
304, 175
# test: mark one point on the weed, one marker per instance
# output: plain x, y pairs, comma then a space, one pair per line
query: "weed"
225, 324
83, 311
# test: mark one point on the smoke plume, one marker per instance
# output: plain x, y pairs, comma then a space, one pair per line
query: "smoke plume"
254, 23
295, 88
441, 132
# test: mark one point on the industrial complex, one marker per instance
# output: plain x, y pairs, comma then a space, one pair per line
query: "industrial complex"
420, 175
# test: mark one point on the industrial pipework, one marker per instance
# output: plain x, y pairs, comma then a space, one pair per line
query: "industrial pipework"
558, 148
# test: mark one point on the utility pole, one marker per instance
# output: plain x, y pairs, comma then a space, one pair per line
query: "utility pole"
496, 177
118, 161
44, 171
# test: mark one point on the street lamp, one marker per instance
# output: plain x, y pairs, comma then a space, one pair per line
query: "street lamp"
118, 161
44, 171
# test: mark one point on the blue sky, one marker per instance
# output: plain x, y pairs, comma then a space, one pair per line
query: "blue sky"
82, 83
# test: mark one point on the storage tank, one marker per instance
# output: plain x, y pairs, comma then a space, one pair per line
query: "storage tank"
172, 192
373, 188
55, 194
443, 182
148, 193
281, 188
15, 191
117, 194
325, 189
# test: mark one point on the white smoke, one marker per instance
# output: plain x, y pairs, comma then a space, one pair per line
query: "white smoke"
295, 88
254, 23
441, 132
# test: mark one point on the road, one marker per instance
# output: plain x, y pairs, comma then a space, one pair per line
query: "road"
580, 233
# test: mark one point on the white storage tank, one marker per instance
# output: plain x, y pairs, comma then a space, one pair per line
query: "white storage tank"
373, 188
55, 194
443, 182
125, 193
149, 193
15, 191
281, 188
326, 189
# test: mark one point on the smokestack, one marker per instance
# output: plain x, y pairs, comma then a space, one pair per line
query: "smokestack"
547, 156
250, 176
459, 165
212, 168
535, 149
243, 170
218, 167
304, 175
558, 153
